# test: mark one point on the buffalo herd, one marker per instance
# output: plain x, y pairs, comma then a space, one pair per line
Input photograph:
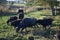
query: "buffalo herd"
21, 23
28, 22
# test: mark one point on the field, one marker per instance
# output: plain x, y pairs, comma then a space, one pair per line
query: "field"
7, 31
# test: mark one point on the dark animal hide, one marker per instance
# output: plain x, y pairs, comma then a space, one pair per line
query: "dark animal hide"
26, 22
45, 22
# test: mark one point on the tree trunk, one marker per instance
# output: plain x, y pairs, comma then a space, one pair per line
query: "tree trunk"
52, 8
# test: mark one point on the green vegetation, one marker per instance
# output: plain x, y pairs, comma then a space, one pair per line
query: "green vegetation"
3, 1
7, 31
42, 2
18, 4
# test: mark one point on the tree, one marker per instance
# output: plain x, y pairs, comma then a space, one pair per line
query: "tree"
33, 2
54, 3
29, 2
51, 3
41, 2
3, 1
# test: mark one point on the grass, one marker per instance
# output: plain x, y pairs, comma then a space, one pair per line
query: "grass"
19, 5
16, 4
8, 33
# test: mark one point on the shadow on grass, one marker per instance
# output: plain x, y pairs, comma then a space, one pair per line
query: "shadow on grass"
6, 39
14, 38
45, 15
7, 13
30, 12
44, 33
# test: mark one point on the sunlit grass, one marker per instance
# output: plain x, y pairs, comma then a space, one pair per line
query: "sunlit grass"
19, 4
38, 15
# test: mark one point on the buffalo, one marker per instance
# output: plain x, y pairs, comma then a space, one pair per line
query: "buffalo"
45, 22
20, 14
24, 23
12, 18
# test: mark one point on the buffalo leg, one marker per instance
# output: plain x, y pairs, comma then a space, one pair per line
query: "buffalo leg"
17, 29
22, 29
44, 27
49, 26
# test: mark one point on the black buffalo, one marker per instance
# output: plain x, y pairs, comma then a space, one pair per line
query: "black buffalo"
26, 22
12, 18
20, 14
45, 22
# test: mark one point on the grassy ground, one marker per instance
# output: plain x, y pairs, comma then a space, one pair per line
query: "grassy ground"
6, 31
19, 5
